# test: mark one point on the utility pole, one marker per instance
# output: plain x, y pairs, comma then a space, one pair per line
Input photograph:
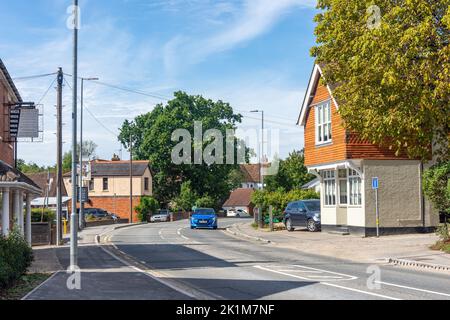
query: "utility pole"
74, 216
131, 178
59, 174
260, 217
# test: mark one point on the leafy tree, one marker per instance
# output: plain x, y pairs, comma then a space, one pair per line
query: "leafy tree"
146, 207
67, 162
151, 134
292, 173
392, 74
89, 149
29, 168
205, 202
436, 186
186, 200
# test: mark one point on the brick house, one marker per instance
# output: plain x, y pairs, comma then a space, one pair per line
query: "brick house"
240, 199
345, 165
16, 189
109, 187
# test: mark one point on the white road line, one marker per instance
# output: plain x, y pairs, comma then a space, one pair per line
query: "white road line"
412, 288
331, 272
325, 277
161, 234
329, 284
182, 235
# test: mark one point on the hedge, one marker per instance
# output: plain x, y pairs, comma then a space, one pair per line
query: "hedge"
15, 258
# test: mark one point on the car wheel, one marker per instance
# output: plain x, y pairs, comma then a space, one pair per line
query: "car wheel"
238, 216
289, 226
311, 226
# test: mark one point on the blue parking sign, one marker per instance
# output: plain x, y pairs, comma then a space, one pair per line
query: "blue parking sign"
374, 183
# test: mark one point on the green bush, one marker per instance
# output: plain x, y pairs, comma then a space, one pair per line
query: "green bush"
39, 215
15, 258
436, 186
146, 208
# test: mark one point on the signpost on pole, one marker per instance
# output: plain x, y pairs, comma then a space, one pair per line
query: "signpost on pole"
375, 186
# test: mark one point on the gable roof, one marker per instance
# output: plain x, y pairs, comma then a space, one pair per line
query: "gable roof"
10, 81
240, 197
47, 180
313, 81
251, 172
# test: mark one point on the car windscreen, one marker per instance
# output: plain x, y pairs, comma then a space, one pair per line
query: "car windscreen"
204, 212
312, 205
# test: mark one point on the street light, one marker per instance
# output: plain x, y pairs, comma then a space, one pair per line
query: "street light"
81, 215
261, 155
261, 167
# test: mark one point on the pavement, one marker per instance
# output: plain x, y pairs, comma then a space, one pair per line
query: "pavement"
171, 261
406, 250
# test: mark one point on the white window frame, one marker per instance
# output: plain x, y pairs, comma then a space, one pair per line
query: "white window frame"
323, 123
330, 188
354, 188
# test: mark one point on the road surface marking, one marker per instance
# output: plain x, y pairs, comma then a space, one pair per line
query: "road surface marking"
328, 284
161, 234
182, 235
40, 286
326, 277
412, 288
331, 272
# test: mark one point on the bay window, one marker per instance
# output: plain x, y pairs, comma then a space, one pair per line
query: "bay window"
343, 187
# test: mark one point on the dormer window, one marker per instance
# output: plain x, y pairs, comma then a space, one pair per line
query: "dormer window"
323, 123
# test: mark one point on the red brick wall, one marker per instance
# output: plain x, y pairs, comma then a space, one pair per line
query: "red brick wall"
6, 150
118, 205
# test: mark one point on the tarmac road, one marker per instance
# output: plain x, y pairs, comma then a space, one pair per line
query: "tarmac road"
166, 261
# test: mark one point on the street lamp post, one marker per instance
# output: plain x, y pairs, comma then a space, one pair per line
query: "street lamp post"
81, 215
261, 155
261, 165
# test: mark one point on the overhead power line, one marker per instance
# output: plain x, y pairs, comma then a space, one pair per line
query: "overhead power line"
47, 91
34, 77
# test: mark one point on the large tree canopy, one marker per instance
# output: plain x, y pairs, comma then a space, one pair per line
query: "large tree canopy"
151, 134
292, 173
392, 74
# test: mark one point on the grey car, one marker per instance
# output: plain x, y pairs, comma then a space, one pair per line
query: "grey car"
302, 214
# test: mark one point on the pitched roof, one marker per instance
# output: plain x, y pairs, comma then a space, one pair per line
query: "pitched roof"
47, 180
10, 174
10, 81
315, 77
311, 184
110, 168
251, 172
239, 197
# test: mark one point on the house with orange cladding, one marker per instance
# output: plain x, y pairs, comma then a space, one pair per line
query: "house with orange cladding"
346, 165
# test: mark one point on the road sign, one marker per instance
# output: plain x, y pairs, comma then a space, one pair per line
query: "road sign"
374, 183
84, 194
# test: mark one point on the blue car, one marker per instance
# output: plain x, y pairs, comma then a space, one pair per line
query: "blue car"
203, 218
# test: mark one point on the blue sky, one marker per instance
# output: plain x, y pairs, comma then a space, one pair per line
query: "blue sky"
251, 53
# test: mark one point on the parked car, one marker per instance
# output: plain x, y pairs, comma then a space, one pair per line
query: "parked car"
204, 218
237, 213
161, 216
301, 214
95, 212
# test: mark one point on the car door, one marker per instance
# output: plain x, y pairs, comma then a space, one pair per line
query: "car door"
302, 213
294, 213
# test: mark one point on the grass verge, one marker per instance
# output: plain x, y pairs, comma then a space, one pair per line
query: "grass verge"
24, 285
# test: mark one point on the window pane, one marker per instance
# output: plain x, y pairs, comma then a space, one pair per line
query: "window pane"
329, 131
343, 191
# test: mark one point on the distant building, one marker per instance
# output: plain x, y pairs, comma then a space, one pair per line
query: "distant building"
109, 186
16, 189
252, 176
47, 181
240, 199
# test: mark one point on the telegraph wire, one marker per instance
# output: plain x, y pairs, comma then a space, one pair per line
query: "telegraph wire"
34, 77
